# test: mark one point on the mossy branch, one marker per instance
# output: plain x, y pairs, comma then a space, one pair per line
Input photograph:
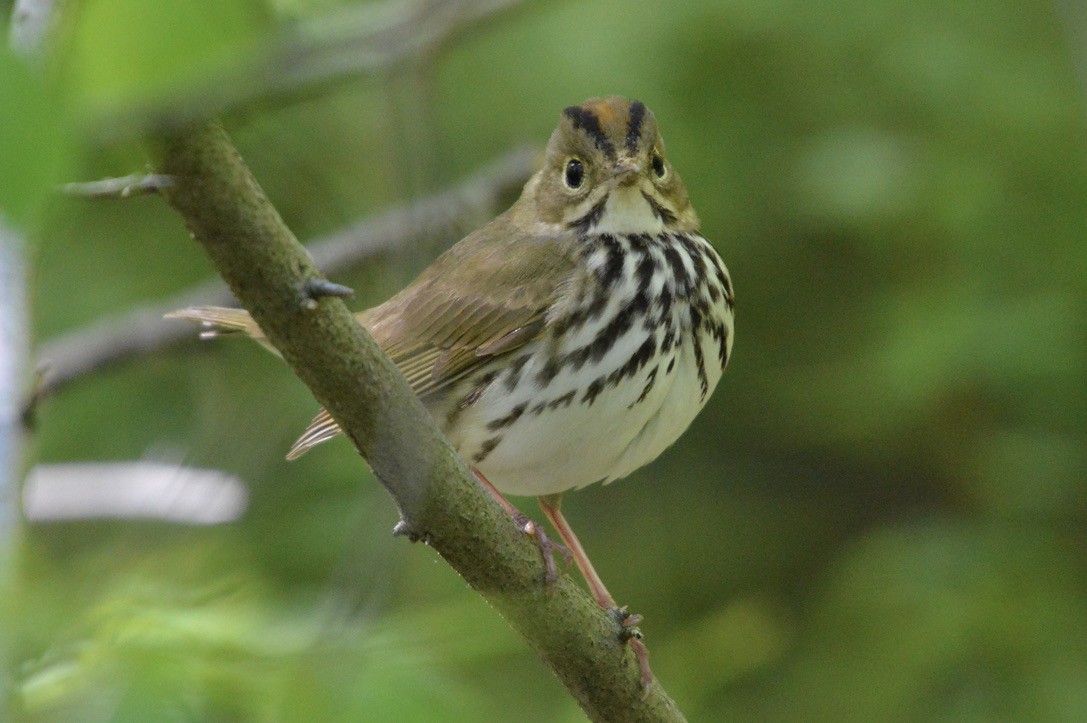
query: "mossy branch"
439, 499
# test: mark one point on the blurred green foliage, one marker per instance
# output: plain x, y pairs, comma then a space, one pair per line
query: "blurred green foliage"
879, 516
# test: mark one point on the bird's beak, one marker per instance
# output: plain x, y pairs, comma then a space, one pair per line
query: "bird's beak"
626, 171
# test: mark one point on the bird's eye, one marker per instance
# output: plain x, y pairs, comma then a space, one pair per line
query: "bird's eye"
574, 175
658, 165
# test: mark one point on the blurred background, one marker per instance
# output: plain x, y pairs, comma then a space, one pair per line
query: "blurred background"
879, 515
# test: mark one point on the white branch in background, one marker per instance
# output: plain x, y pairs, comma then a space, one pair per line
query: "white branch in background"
132, 490
124, 187
31, 21
14, 347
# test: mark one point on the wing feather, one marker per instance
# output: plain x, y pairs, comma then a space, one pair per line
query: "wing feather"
485, 297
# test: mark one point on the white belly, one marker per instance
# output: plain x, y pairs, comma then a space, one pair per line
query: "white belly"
562, 442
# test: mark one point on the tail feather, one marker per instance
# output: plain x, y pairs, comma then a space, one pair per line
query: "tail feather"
219, 320
321, 429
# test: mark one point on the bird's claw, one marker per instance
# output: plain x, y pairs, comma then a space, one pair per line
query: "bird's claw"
628, 623
547, 546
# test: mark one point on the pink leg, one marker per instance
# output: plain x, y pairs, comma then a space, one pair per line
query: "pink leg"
529, 527
551, 508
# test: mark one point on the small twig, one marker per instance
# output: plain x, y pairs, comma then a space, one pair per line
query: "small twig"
119, 188
316, 288
316, 53
142, 330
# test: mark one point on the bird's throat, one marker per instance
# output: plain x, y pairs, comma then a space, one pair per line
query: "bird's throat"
627, 209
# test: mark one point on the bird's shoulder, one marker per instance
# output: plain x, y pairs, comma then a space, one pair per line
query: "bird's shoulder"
487, 295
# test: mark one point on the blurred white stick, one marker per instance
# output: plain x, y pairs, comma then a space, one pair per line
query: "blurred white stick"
132, 490
31, 21
14, 347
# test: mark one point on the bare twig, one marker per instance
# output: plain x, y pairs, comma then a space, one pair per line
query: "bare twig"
359, 40
132, 490
320, 52
439, 499
142, 330
124, 187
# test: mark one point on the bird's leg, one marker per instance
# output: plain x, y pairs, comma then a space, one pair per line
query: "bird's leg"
551, 506
526, 525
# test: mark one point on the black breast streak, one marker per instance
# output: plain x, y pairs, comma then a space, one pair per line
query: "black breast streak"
550, 370
650, 380
611, 270
640, 241
671, 336
639, 359
695, 251
725, 282
664, 310
679, 270
711, 262
644, 272
623, 321
513, 377
605, 340
593, 391
509, 419
699, 357
486, 448
720, 333
564, 401
607, 276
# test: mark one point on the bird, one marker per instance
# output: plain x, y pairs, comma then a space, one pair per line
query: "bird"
570, 340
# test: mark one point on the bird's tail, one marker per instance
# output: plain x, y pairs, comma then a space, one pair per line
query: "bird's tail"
219, 321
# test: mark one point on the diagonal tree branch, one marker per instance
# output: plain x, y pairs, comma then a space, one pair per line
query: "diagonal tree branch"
142, 330
439, 499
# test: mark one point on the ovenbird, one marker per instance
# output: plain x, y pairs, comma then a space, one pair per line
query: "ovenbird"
574, 337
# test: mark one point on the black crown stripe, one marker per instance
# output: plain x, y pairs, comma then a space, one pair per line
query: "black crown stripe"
585, 120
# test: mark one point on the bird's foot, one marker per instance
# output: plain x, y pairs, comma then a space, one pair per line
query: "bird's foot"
629, 632
526, 525
547, 546
629, 622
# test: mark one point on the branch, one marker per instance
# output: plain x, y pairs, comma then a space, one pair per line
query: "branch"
142, 330
439, 499
357, 41
317, 53
120, 188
